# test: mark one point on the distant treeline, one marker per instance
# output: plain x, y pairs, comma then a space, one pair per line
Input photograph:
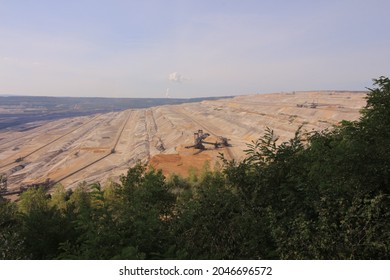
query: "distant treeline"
27, 109
322, 195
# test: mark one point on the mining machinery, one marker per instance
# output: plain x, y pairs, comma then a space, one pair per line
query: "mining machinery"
199, 141
312, 105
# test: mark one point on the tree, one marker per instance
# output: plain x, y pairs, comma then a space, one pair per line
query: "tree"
3, 183
328, 199
12, 244
146, 208
42, 226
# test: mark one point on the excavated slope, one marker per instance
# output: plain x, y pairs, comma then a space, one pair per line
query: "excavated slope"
102, 147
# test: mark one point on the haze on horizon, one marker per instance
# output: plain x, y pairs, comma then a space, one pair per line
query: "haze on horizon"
190, 48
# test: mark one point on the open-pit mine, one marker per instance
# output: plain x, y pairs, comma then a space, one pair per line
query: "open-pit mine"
101, 147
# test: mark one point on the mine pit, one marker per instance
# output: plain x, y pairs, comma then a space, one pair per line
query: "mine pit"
103, 146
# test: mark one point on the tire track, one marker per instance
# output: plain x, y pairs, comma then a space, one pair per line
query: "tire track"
47, 144
112, 151
151, 129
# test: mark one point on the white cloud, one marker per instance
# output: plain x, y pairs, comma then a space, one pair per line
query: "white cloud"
176, 77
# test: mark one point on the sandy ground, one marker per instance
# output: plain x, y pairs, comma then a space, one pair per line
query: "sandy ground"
102, 147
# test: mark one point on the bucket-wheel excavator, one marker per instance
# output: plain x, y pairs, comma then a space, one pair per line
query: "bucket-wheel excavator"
199, 141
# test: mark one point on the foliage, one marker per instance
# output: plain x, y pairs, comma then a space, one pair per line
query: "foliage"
11, 241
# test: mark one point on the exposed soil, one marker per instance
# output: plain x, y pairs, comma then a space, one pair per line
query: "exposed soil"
184, 162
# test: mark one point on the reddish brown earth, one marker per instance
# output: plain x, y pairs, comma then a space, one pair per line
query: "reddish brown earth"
183, 162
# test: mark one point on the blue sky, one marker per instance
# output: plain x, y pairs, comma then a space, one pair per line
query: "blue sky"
151, 48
